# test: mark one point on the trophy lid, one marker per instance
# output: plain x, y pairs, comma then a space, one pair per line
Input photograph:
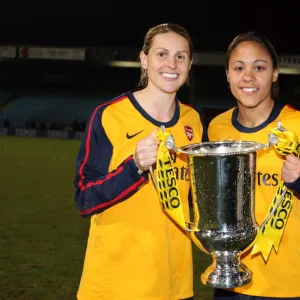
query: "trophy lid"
222, 148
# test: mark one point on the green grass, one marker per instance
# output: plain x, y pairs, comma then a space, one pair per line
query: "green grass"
42, 238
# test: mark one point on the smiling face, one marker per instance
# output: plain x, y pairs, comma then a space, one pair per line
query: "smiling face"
250, 74
168, 62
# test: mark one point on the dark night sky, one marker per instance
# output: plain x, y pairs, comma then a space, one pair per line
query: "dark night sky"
212, 25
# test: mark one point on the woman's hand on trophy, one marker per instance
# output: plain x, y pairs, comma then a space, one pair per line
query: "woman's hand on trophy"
291, 168
145, 154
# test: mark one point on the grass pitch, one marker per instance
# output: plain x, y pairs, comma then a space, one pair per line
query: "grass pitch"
42, 238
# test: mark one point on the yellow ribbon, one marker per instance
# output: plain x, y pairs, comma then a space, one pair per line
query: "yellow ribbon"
271, 233
168, 190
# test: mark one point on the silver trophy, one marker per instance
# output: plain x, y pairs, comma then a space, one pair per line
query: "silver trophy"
223, 187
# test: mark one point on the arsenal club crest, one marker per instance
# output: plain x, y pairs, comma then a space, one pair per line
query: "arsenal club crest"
189, 132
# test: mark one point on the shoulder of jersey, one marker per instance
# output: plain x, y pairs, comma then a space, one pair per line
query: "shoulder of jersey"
115, 101
188, 109
289, 108
223, 117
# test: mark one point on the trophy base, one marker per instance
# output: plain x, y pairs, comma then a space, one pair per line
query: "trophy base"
226, 274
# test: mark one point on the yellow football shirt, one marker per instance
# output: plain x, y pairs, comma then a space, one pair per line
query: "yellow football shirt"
134, 251
280, 276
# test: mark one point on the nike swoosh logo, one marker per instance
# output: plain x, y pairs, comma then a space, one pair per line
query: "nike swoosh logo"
133, 135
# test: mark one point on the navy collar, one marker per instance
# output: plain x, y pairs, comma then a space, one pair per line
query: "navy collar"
171, 123
273, 115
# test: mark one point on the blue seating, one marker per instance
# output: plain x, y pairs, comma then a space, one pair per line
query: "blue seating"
51, 107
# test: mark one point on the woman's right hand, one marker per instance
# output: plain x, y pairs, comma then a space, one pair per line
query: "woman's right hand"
145, 154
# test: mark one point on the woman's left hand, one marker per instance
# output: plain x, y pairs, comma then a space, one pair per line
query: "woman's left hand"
291, 168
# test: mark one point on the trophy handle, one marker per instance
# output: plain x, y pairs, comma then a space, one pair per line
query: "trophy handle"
273, 140
274, 209
175, 212
170, 144
190, 226
153, 178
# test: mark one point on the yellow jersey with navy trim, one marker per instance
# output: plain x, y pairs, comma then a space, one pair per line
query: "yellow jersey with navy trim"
280, 275
134, 251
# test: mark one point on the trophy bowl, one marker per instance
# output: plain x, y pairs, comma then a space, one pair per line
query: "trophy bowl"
222, 175
223, 189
